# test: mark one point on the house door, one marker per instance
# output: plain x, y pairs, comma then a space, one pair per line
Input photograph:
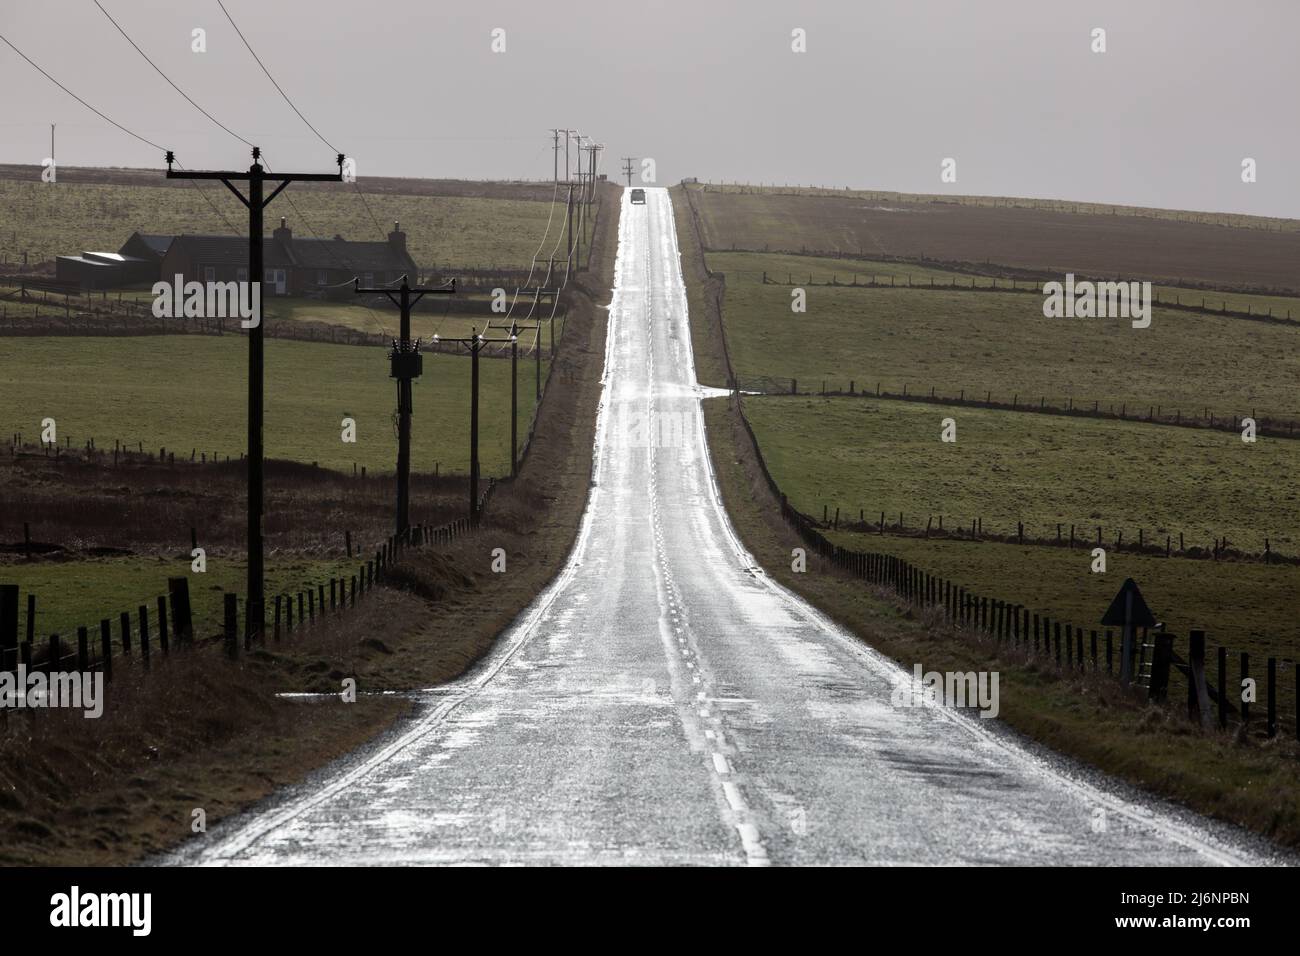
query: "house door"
275, 281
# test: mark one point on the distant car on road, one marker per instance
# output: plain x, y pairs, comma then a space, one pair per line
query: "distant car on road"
638, 197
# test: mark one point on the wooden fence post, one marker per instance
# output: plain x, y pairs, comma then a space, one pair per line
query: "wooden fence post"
8, 623
1245, 673
124, 621
232, 625
1198, 696
1270, 724
83, 649
143, 611
1160, 661
163, 641
106, 648
178, 589
278, 602
1223, 687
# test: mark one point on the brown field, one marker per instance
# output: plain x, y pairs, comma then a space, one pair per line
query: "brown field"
1160, 250
74, 506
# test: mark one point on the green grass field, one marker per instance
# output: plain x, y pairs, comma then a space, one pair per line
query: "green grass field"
189, 392
67, 218
982, 342
80, 593
1006, 467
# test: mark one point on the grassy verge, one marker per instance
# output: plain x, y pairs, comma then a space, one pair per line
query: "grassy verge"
703, 297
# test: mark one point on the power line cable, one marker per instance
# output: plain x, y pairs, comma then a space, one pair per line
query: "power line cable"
188, 98
108, 119
248, 46
272, 79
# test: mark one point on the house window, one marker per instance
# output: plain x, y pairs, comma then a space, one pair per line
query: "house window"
368, 279
241, 274
209, 273
322, 277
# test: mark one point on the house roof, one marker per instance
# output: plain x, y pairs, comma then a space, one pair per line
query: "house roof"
338, 253
158, 244
228, 251
82, 260
114, 257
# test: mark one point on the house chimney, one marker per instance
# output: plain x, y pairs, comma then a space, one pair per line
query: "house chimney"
284, 233
397, 238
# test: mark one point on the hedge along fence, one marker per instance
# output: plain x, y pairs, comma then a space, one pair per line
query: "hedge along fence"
1078, 537
1155, 414
309, 602
1069, 647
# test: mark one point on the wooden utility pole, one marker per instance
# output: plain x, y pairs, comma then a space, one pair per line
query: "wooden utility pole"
591, 177
514, 389
628, 162
406, 364
569, 267
256, 176
568, 169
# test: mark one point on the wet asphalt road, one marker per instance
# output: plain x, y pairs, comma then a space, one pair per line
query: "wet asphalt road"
665, 702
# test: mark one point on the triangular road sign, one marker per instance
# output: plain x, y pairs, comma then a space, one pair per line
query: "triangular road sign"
1140, 615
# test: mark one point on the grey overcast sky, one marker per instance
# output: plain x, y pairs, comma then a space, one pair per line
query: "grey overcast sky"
885, 91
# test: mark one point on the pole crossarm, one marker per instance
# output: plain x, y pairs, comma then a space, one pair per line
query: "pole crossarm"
415, 294
256, 171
